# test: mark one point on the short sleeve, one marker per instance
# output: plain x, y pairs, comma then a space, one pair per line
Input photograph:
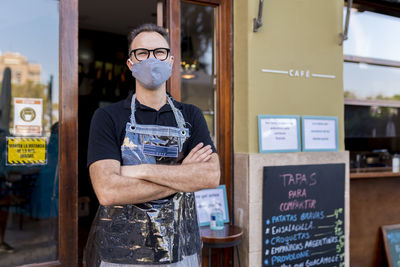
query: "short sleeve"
103, 140
200, 132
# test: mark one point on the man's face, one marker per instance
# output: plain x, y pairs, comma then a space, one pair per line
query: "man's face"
150, 41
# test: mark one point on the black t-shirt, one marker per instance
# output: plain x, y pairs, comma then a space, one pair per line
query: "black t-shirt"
107, 129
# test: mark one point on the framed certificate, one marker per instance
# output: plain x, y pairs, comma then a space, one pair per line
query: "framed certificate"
320, 133
205, 201
278, 133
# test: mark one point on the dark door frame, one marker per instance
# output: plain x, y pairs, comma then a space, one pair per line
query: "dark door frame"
68, 144
68, 166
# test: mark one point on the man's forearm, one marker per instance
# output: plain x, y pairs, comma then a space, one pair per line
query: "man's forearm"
114, 189
185, 177
137, 191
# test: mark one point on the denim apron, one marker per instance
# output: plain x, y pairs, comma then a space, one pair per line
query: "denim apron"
159, 232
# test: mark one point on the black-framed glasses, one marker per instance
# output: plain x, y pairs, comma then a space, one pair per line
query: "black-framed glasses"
143, 53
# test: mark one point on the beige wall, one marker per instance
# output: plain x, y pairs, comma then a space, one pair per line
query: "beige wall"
296, 34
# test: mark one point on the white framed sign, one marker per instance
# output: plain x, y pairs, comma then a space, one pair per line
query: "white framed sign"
28, 116
278, 133
205, 201
320, 133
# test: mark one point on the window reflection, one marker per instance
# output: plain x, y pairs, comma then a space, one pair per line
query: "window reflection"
197, 65
372, 35
371, 91
365, 82
372, 114
28, 131
372, 135
372, 121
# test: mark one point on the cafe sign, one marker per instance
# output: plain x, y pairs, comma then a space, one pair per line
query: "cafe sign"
300, 73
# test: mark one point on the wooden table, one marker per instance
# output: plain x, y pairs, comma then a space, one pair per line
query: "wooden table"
230, 236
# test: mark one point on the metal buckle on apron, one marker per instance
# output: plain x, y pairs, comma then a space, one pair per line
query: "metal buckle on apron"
160, 151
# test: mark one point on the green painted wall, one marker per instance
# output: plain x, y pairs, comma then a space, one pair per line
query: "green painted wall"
298, 35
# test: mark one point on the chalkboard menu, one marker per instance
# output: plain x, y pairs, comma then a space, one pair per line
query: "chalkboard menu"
391, 236
303, 215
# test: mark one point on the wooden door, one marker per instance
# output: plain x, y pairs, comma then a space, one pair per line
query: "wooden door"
201, 41
38, 133
68, 145
221, 74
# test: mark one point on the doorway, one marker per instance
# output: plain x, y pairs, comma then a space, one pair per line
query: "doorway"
200, 33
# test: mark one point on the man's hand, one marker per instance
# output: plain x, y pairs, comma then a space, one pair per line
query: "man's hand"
199, 153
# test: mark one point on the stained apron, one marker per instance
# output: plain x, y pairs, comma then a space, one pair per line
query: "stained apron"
161, 232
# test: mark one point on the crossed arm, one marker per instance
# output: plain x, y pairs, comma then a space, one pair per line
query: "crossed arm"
116, 185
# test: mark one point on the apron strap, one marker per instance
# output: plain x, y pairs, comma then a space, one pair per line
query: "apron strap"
177, 114
133, 109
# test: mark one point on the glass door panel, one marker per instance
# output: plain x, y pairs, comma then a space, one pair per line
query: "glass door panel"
198, 60
29, 54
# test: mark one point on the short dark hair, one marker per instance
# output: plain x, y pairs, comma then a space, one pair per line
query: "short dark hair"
148, 27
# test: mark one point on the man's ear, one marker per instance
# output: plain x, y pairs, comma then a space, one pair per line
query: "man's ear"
129, 63
171, 60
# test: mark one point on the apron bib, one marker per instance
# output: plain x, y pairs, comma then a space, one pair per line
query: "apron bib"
162, 231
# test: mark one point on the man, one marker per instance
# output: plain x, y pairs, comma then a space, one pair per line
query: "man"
146, 156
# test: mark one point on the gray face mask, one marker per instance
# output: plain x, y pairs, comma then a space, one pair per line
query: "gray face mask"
151, 73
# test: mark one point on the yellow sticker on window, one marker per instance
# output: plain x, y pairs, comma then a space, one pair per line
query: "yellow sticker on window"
26, 151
